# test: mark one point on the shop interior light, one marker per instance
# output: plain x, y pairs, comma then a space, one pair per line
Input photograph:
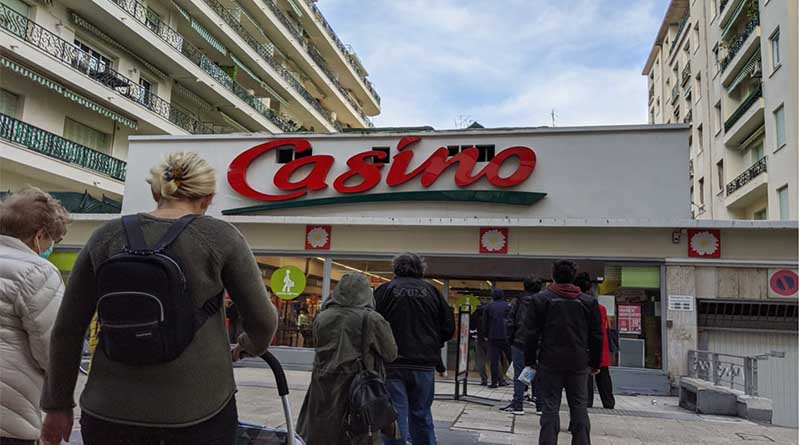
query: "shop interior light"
345, 266
439, 282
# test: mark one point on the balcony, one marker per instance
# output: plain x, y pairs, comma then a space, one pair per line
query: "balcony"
675, 94
743, 45
677, 39
316, 57
749, 187
688, 118
97, 70
686, 74
747, 117
172, 37
57, 147
345, 51
651, 94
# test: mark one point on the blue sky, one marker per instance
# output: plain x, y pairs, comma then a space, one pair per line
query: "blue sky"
503, 62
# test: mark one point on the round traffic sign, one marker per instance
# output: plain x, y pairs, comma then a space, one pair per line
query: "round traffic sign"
288, 282
784, 283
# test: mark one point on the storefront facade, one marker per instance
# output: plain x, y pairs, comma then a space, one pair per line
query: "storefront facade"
486, 208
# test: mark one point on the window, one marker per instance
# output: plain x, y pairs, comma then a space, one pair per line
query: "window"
485, 152
153, 20
698, 87
90, 59
715, 50
146, 93
760, 215
696, 36
713, 9
285, 155
720, 175
775, 44
757, 152
378, 160
718, 117
94, 139
700, 138
780, 127
783, 202
9, 103
701, 185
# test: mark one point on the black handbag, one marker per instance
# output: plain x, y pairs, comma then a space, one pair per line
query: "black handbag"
370, 407
613, 340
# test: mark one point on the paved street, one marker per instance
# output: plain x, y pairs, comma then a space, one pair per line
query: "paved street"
637, 420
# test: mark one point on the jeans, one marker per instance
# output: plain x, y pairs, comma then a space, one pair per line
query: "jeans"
604, 387
412, 396
550, 383
518, 358
496, 350
218, 430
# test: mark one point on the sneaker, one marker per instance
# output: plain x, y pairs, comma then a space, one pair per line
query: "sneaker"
484, 383
511, 409
538, 411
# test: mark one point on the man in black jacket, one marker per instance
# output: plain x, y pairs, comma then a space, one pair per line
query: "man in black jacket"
517, 336
480, 336
565, 340
494, 319
422, 322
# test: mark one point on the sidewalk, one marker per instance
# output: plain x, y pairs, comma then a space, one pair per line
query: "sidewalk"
637, 420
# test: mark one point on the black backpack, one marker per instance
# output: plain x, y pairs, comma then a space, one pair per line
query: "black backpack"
146, 313
370, 408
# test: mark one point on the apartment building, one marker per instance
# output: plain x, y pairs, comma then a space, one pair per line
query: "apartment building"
729, 68
77, 77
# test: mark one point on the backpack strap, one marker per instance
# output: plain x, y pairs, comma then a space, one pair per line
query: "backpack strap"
207, 310
364, 344
133, 234
173, 232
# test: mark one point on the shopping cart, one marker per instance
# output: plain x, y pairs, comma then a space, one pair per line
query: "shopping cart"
250, 434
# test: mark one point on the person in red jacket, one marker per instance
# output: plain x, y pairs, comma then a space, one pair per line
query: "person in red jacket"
603, 378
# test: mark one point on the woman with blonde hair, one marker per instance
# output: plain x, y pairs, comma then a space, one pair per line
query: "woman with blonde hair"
31, 223
188, 396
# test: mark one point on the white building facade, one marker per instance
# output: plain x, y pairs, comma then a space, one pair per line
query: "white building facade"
78, 77
729, 67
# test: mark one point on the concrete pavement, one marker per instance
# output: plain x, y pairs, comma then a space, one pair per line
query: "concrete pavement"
636, 420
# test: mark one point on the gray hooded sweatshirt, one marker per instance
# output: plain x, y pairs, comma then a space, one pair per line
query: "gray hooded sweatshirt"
337, 331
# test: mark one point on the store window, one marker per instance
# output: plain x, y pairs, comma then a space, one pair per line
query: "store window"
9, 103
85, 135
780, 127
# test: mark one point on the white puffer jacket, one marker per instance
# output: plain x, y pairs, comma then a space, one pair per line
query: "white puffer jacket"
30, 294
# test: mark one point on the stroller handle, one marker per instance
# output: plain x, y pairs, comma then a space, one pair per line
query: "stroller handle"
277, 370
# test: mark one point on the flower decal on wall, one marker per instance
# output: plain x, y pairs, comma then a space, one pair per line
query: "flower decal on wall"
318, 237
704, 243
494, 240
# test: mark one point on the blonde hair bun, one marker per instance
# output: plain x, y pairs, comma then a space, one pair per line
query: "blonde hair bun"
183, 175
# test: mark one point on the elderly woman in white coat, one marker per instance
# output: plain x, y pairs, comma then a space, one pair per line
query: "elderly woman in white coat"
31, 223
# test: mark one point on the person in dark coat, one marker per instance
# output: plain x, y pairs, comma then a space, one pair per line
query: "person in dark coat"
422, 322
517, 336
481, 340
494, 319
338, 334
604, 385
565, 341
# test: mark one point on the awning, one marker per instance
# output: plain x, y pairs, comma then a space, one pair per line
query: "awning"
196, 100
746, 72
253, 76
208, 37
69, 94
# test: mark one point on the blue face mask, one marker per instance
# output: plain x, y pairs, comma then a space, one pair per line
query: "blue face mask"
49, 250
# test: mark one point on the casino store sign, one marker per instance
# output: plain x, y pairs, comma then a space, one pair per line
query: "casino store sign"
364, 174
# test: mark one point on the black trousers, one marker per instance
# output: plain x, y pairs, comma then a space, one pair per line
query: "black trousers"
498, 348
549, 385
604, 387
218, 430
12, 441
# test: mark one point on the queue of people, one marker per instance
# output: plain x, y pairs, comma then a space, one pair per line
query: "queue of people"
390, 339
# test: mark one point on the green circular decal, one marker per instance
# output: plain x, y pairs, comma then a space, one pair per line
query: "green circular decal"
287, 282
469, 299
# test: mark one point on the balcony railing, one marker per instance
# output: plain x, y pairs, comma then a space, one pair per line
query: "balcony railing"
344, 50
675, 93
748, 175
56, 147
722, 5
140, 13
262, 50
738, 43
743, 107
681, 26
96, 69
686, 74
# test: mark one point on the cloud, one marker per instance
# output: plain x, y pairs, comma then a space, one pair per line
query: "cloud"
502, 63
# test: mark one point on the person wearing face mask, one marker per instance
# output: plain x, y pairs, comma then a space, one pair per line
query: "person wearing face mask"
187, 398
31, 288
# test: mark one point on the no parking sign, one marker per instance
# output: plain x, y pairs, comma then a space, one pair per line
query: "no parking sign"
783, 283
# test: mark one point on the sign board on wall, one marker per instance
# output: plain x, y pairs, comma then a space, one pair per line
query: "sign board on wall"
288, 282
681, 303
629, 319
782, 283
609, 302
463, 342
